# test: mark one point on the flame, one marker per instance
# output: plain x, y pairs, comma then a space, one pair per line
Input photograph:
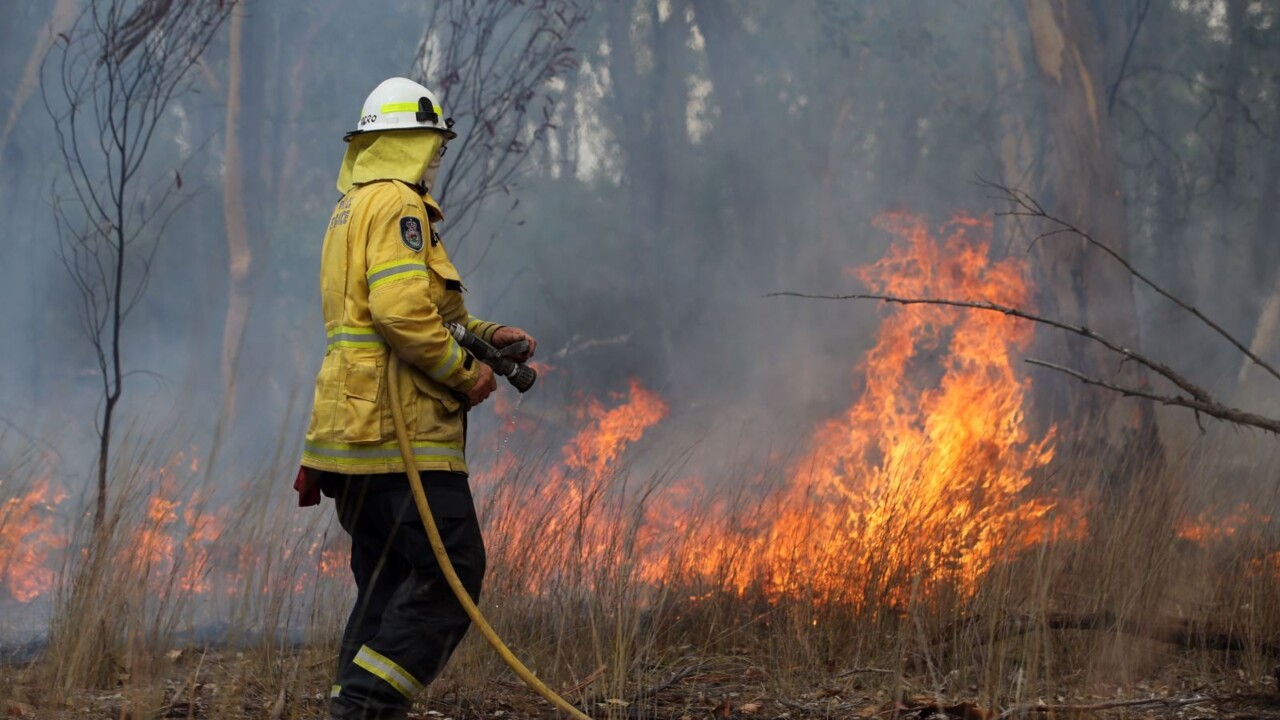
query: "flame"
592, 451
566, 514
924, 478
929, 475
918, 490
1213, 526
29, 541
926, 481
1267, 567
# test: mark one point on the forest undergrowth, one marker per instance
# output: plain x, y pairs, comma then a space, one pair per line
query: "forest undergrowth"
1146, 588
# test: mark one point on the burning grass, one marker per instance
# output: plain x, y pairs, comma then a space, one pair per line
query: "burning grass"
926, 539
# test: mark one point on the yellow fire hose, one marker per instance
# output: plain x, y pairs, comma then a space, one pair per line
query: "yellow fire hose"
442, 555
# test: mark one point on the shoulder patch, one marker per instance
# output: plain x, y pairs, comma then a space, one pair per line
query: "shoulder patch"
411, 233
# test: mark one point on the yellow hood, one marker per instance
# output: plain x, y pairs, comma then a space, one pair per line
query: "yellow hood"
400, 155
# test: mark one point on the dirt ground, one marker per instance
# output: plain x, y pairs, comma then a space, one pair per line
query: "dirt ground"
225, 684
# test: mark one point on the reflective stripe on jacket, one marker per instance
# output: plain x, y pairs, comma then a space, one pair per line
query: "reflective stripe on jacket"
386, 282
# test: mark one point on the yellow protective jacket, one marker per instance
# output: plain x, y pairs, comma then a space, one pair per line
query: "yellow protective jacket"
387, 285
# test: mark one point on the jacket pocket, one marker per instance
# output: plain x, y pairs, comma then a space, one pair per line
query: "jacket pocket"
446, 278
361, 386
443, 397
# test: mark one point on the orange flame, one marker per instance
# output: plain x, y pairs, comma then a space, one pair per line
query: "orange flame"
922, 478
919, 479
1210, 526
566, 514
29, 541
919, 489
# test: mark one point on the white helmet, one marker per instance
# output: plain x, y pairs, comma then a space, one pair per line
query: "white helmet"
401, 104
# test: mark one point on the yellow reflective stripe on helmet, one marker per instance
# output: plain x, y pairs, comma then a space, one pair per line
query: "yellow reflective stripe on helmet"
391, 673
449, 363
394, 270
348, 336
407, 107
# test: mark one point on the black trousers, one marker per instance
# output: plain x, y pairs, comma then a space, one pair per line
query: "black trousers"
406, 621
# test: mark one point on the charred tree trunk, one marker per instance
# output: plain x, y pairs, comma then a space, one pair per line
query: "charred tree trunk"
1081, 182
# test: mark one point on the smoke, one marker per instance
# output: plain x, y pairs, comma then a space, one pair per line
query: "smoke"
704, 154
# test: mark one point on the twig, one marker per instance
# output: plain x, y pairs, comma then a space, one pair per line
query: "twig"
1211, 408
676, 677
325, 661
1172, 375
642, 693
1027, 206
586, 681
1128, 51
1169, 703
867, 670
1200, 400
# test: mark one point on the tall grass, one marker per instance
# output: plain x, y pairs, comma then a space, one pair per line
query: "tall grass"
251, 610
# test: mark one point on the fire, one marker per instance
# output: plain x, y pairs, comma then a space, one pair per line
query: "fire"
592, 451
923, 478
172, 540
567, 514
1211, 526
927, 480
919, 479
30, 541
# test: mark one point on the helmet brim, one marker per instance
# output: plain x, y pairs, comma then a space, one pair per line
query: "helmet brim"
448, 134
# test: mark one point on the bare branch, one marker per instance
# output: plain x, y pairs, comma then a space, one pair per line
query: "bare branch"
1027, 207
495, 67
1200, 400
114, 76
1128, 52
1167, 372
1208, 407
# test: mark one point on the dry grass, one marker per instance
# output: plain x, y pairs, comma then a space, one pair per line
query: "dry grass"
241, 622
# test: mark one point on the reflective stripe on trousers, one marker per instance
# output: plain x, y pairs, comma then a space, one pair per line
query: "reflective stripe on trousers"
406, 622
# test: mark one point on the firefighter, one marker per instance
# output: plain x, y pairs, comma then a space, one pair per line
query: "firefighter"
387, 285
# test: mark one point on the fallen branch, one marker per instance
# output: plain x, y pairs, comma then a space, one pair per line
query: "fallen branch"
648, 692
865, 670
586, 682
1174, 631
1167, 703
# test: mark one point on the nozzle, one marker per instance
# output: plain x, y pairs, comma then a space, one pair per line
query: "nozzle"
522, 378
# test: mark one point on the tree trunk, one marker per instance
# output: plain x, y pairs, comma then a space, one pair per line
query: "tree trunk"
743, 215
1256, 387
239, 254
60, 21
1081, 184
1015, 139
290, 133
636, 112
1217, 266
